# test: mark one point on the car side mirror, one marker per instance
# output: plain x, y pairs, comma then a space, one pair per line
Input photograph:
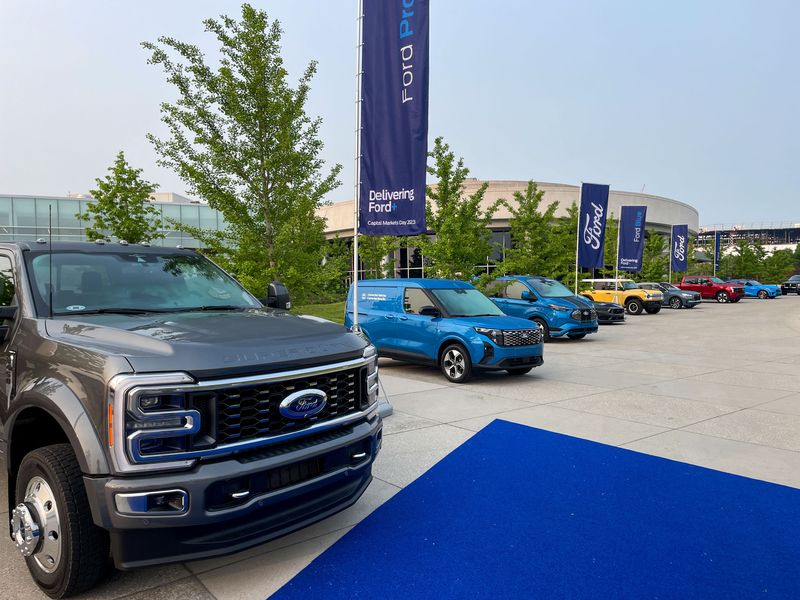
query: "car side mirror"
430, 311
529, 296
278, 296
709, 283
7, 313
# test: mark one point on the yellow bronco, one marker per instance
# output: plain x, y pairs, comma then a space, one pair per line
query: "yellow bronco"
625, 292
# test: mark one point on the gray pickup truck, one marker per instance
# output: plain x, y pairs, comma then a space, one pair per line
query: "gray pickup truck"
151, 408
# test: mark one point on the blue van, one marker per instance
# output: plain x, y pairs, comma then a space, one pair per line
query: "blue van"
449, 324
548, 302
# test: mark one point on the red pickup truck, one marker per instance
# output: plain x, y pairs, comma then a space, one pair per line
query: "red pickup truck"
712, 287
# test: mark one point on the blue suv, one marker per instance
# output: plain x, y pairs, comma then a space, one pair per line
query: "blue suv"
547, 302
449, 324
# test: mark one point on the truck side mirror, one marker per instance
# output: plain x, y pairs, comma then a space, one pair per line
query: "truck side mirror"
7, 313
430, 311
278, 296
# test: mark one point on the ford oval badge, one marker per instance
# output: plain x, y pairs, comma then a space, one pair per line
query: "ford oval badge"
303, 404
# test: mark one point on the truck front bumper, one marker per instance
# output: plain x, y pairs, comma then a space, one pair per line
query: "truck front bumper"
289, 487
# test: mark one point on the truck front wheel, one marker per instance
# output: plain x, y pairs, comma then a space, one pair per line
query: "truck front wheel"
52, 524
634, 307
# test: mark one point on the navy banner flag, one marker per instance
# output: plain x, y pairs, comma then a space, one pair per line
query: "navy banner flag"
680, 248
592, 225
631, 237
717, 236
394, 117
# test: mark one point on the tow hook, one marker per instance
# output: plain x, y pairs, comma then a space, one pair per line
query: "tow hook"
25, 529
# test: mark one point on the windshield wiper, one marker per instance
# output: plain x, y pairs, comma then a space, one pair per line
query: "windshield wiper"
211, 307
113, 311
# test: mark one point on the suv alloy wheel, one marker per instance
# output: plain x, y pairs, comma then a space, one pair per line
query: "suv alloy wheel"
456, 363
723, 297
634, 306
675, 302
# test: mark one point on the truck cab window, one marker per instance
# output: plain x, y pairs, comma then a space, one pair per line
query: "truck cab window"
7, 289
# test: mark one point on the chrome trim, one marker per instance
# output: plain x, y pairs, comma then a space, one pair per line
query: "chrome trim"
131, 504
121, 387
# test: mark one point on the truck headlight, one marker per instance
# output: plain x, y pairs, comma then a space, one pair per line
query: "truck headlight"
372, 376
493, 334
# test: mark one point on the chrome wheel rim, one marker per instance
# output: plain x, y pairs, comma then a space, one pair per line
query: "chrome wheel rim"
40, 497
453, 363
723, 298
675, 302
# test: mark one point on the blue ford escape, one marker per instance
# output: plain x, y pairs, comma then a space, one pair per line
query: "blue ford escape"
445, 323
547, 302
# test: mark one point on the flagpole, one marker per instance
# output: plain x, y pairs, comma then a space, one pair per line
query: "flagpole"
357, 185
671, 250
716, 251
616, 264
578, 237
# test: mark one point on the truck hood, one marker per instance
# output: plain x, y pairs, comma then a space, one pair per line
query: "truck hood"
211, 344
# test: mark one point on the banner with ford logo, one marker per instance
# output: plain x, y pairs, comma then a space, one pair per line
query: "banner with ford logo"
680, 248
631, 238
592, 225
394, 117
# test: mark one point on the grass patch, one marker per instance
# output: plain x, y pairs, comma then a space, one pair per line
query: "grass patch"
333, 312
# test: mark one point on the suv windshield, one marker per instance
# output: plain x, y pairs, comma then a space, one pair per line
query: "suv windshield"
629, 285
132, 282
549, 288
466, 302
669, 286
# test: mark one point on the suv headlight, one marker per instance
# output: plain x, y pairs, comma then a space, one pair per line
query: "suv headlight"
495, 335
558, 307
576, 314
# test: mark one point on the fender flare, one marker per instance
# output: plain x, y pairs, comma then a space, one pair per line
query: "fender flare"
56, 399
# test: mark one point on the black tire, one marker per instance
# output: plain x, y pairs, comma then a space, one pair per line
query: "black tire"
545, 329
675, 302
763, 294
735, 300
84, 547
576, 336
652, 310
519, 371
634, 307
455, 363
723, 297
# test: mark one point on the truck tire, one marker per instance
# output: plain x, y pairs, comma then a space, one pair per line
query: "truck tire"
763, 294
634, 307
723, 297
675, 302
652, 310
455, 363
69, 553
545, 329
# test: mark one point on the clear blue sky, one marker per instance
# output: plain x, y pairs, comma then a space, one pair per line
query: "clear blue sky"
698, 100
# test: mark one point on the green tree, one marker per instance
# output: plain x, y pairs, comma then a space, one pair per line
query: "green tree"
655, 258
777, 267
745, 261
122, 207
531, 230
610, 248
240, 137
562, 247
372, 251
461, 237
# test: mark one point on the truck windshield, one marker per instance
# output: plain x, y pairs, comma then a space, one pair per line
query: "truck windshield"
550, 288
466, 302
132, 283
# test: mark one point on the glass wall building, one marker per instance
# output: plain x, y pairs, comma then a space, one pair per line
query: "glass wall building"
27, 218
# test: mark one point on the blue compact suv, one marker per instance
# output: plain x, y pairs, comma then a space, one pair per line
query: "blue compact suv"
547, 302
445, 323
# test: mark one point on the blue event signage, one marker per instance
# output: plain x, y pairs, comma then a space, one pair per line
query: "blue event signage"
394, 117
679, 248
592, 225
631, 237
717, 237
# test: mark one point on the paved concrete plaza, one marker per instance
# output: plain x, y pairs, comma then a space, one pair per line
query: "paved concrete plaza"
717, 386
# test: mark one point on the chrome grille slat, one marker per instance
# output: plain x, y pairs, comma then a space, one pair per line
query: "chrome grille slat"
521, 337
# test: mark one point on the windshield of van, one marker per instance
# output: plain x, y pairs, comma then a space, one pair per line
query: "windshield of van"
85, 283
550, 288
466, 302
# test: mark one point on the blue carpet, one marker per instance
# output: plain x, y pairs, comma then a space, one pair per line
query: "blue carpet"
518, 512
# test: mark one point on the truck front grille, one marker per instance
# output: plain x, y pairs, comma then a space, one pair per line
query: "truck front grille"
522, 337
250, 412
